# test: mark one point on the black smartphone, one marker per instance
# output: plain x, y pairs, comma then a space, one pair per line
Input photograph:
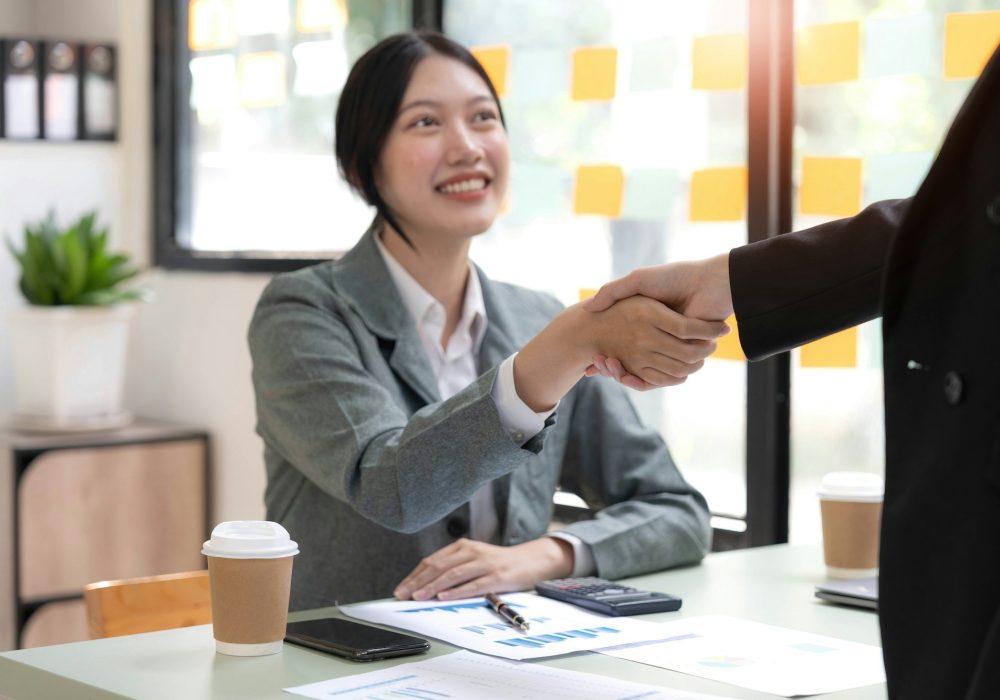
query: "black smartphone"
352, 640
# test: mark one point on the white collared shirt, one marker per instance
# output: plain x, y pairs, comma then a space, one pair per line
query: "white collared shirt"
455, 367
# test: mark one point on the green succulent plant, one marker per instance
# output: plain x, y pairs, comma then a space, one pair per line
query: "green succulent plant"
72, 266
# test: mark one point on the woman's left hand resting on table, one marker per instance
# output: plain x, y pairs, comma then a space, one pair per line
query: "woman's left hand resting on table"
468, 568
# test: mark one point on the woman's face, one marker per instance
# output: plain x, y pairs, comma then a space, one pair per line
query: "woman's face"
443, 169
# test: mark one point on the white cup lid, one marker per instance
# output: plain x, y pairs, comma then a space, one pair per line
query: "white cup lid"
249, 539
852, 486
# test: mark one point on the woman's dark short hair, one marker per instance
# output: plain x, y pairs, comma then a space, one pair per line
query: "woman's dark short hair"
371, 99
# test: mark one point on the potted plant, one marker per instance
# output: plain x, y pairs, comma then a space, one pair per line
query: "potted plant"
69, 342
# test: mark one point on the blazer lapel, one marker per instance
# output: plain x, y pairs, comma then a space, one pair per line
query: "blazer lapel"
409, 361
363, 276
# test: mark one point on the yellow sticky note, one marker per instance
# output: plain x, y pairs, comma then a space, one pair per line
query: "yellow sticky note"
495, 60
970, 38
587, 292
728, 346
262, 79
599, 190
320, 15
594, 72
211, 25
718, 194
828, 53
830, 186
837, 350
719, 62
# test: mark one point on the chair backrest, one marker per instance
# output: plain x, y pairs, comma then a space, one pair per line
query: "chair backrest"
148, 604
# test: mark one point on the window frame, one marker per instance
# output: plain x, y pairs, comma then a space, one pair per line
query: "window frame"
171, 146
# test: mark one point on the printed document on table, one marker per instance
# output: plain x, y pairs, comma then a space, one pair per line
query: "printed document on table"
467, 675
555, 628
759, 657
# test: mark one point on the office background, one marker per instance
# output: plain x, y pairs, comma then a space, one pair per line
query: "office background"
629, 123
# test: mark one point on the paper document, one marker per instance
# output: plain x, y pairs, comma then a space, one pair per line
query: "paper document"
471, 676
759, 657
556, 628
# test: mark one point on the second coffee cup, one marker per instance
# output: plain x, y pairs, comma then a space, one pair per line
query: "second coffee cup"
250, 572
851, 511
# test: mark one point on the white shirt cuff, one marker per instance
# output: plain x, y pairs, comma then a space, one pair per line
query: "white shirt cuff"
516, 417
583, 558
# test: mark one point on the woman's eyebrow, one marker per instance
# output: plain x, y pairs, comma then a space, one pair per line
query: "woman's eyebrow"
437, 105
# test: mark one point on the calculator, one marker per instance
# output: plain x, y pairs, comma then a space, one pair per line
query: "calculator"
608, 597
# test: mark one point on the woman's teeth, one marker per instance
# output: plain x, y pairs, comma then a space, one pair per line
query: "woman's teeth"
463, 186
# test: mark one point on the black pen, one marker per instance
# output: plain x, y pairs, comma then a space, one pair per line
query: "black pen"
506, 612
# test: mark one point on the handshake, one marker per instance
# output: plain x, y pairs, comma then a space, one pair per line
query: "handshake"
656, 325
652, 328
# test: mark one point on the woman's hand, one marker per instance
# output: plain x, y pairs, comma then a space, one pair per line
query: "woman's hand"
699, 289
469, 568
656, 344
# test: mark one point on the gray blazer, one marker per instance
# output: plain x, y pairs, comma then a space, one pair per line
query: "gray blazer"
370, 471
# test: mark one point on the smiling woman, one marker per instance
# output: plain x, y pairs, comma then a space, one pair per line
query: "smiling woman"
454, 142
441, 100
408, 403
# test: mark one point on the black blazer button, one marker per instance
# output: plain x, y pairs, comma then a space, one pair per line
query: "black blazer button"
953, 388
457, 527
993, 211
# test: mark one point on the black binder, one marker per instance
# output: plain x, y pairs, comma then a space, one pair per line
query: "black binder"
20, 73
61, 91
98, 92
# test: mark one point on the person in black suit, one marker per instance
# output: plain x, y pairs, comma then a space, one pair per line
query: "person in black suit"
930, 267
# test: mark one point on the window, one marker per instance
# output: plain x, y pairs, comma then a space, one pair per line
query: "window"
629, 124
876, 87
246, 175
628, 137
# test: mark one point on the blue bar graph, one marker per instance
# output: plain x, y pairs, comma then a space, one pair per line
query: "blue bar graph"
481, 629
377, 684
502, 626
541, 640
420, 693
454, 607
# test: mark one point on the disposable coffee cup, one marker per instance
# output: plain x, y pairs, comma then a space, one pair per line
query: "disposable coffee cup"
250, 572
851, 510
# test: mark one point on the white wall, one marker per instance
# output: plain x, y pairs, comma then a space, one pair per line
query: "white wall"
188, 359
16, 18
189, 363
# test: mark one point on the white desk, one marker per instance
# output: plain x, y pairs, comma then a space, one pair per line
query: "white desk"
773, 585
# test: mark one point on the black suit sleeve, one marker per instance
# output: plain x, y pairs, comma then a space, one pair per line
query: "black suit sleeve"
801, 286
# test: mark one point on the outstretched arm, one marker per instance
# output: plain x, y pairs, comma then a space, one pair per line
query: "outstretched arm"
785, 291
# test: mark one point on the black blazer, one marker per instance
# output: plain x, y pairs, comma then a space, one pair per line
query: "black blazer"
930, 267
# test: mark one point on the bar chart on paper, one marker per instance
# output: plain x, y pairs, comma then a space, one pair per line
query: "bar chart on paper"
761, 657
468, 675
555, 628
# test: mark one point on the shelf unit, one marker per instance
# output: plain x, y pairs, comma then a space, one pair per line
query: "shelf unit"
83, 507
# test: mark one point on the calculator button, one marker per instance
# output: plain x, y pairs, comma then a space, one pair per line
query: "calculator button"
621, 598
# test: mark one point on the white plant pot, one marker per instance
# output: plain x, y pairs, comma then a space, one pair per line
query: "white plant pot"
69, 366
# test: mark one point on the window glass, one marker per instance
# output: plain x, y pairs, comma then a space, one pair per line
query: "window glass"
627, 124
876, 87
257, 170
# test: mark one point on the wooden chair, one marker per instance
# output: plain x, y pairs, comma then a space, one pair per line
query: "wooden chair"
131, 606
